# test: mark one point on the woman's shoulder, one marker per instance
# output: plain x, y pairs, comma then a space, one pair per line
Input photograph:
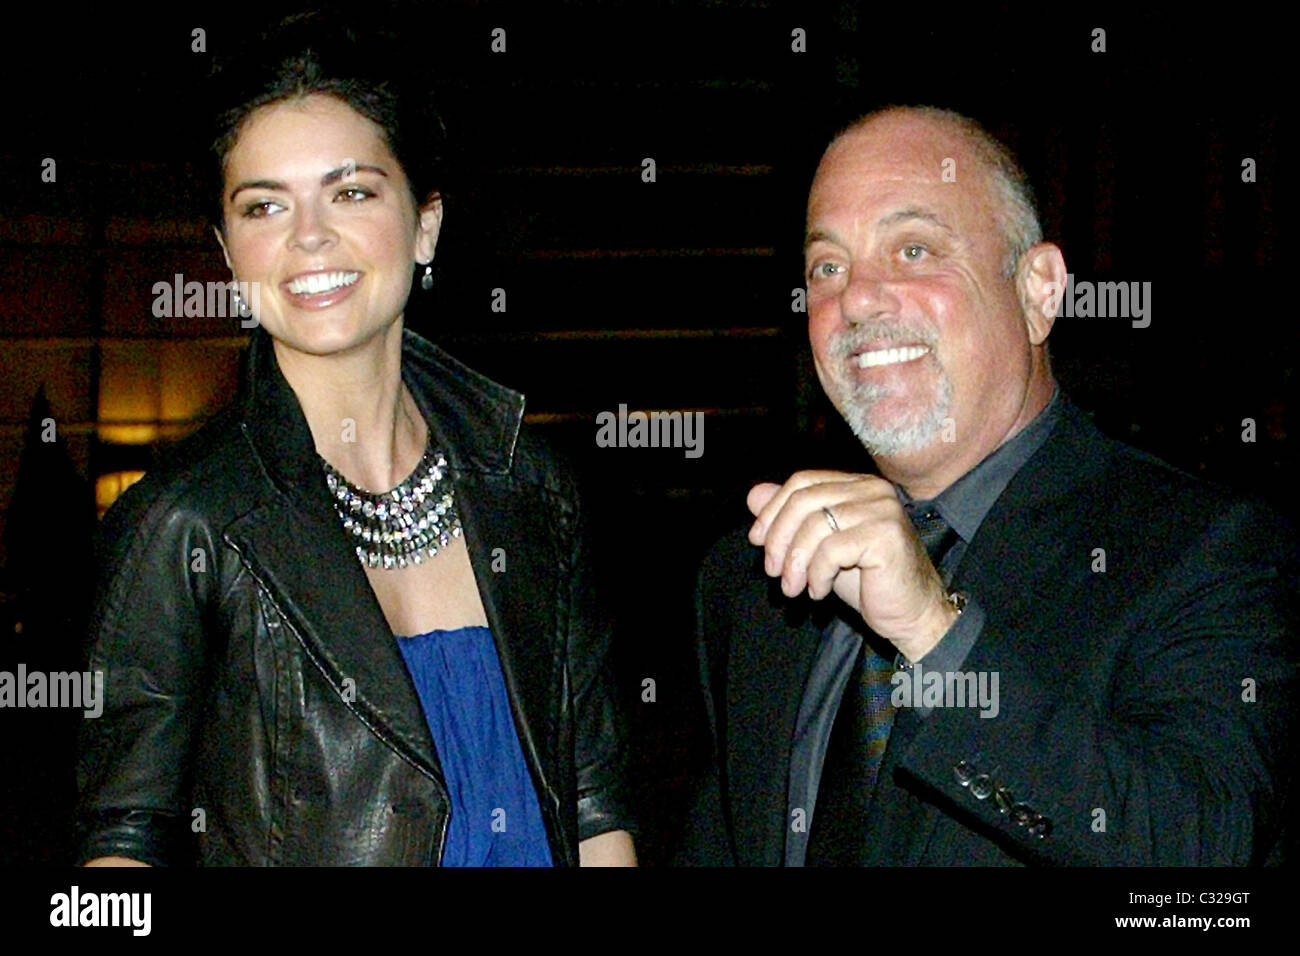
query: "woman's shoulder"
538, 461
204, 474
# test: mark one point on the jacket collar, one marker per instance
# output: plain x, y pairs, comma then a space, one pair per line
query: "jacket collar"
475, 420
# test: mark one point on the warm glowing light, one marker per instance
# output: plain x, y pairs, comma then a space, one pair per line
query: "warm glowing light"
108, 488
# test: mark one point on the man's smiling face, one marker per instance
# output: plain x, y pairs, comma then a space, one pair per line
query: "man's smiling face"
910, 317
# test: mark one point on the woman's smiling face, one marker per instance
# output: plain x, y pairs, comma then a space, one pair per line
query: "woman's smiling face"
319, 214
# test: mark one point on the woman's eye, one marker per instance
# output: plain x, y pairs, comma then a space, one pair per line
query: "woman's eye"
258, 210
355, 193
913, 251
823, 270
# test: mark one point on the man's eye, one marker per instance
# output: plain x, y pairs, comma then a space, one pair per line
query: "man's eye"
913, 251
823, 270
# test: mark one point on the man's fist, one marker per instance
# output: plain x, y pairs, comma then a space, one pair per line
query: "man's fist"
871, 556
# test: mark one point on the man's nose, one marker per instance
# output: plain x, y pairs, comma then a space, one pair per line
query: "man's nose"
867, 296
311, 228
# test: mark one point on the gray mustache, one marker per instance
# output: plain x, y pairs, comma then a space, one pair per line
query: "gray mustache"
842, 344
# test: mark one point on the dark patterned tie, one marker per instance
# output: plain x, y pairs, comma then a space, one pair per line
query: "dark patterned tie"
861, 732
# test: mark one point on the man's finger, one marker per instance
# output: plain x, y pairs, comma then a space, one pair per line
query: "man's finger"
837, 553
774, 503
757, 499
803, 508
805, 564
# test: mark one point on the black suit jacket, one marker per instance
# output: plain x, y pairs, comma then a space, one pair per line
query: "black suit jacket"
1146, 711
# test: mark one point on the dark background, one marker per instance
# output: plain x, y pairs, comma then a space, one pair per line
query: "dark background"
667, 295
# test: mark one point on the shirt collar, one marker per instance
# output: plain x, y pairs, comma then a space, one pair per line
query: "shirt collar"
965, 502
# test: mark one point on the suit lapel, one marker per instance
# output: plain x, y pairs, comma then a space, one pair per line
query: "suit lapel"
1025, 520
1015, 549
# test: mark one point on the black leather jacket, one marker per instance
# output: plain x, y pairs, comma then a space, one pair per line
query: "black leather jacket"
257, 707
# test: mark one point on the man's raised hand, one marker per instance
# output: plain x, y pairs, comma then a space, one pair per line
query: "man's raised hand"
866, 551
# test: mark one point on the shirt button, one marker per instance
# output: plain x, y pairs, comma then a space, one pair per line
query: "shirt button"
981, 786
964, 772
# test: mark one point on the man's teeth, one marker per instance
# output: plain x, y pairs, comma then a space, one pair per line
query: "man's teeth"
319, 282
890, 356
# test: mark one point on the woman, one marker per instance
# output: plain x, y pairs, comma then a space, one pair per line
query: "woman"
306, 661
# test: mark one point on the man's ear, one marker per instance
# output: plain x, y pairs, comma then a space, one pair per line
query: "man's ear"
1040, 282
426, 238
221, 241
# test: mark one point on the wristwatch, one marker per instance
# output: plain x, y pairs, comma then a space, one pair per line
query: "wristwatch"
958, 600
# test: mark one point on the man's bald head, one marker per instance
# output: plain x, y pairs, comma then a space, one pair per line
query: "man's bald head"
1010, 193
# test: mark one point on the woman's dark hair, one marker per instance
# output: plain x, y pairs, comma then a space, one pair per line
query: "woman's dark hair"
313, 53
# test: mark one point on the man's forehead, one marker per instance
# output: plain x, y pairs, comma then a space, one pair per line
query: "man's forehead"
919, 151
888, 167
904, 128
884, 197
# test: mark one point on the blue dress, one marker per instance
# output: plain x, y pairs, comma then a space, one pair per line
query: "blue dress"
495, 816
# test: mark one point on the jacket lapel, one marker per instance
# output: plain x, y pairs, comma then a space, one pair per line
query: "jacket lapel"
520, 597
307, 567
477, 421
295, 547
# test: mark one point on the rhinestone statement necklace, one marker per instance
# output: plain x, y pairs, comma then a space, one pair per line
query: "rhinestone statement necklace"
403, 526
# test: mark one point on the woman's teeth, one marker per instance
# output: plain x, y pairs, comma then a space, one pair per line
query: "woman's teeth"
890, 356
319, 282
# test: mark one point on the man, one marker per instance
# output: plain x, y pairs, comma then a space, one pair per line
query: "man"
1025, 643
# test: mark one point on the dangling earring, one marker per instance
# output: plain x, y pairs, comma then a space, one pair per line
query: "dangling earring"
426, 280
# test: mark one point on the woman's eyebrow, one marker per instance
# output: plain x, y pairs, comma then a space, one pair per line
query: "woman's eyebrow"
333, 176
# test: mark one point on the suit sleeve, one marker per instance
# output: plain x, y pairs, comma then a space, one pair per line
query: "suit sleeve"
147, 638
1186, 759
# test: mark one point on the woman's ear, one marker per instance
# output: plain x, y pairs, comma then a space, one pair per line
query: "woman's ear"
430, 223
221, 241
